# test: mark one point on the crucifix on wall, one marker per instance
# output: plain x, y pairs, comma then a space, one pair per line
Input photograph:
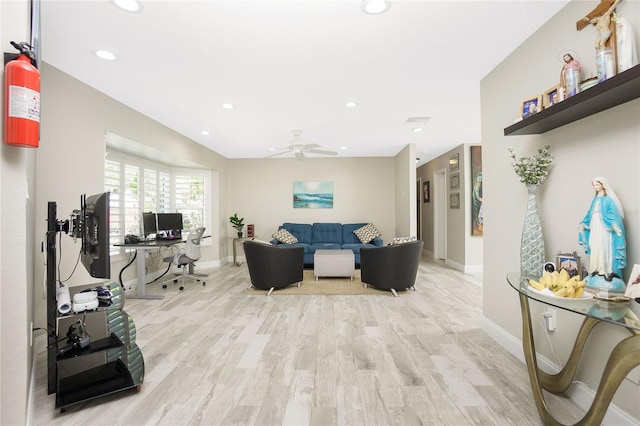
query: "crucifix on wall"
600, 17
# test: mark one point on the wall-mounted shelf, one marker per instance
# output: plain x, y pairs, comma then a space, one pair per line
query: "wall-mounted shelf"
617, 90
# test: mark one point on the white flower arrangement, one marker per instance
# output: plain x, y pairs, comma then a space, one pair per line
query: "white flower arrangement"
535, 169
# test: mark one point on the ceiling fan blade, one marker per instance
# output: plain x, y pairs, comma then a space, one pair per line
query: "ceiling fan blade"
277, 153
322, 152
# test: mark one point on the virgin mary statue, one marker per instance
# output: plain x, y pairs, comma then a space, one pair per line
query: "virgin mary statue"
602, 235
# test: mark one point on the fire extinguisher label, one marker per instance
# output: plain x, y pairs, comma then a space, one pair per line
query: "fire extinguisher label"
24, 103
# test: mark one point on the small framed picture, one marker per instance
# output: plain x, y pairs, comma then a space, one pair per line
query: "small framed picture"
531, 106
426, 189
454, 181
551, 96
453, 162
569, 262
454, 200
633, 286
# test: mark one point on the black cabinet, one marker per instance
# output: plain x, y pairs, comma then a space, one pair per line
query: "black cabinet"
617, 90
111, 361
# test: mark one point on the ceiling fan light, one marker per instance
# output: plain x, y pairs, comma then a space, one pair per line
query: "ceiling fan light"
375, 7
128, 5
351, 104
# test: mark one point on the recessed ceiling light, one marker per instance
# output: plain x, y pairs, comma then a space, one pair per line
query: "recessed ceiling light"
205, 133
271, 149
128, 5
228, 106
418, 129
105, 54
350, 104
343, 147
375, 7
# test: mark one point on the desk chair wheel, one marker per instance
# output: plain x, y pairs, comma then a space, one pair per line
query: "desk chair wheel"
181, 288
164, 286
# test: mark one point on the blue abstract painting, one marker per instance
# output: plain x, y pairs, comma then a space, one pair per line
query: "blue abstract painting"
312, 195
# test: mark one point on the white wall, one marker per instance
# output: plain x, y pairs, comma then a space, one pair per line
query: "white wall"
70, 162
606, 144
260, 190
16, 263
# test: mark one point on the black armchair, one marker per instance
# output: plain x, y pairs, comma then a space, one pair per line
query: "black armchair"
391, 267
273, 267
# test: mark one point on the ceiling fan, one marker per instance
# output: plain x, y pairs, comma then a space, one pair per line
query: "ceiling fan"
298, 147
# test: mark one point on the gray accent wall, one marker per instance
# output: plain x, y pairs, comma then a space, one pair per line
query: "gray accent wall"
606, 144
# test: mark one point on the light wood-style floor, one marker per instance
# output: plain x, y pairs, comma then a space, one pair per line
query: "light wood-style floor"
216, 356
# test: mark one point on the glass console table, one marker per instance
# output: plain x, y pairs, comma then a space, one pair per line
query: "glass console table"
624, 357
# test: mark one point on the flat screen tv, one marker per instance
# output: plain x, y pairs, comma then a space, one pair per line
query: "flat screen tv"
94, 252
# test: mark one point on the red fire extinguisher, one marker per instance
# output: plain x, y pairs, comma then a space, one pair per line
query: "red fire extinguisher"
22, 99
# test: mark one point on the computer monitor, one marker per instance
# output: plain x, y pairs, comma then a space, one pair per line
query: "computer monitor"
149, 224
169, 221
94, 229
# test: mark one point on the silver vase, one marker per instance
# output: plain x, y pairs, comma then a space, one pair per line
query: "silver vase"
532, 244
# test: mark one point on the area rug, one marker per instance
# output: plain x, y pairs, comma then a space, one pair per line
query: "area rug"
325, 286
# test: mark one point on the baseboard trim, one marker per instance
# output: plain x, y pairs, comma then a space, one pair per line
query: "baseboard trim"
580, 394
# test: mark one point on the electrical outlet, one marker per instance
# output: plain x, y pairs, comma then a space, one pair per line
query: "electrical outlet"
550, 319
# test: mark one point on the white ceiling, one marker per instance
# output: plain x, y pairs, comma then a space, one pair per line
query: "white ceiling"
293, 64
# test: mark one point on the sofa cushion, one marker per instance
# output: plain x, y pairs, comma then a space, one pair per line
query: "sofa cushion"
348, 237
285, 236
367, 233
326, 233
302, 231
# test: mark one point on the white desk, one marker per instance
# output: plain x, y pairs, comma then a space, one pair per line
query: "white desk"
141, 249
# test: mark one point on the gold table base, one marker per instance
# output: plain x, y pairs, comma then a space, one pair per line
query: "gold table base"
624, 357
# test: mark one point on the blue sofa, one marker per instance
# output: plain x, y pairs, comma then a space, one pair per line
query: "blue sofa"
327, 236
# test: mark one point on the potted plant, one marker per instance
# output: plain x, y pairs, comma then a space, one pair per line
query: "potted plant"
238, 223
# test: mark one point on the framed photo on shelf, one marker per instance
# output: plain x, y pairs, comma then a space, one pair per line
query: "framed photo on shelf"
454, 181
531, 106
426, 191
569, 262
454, 200
453, 162
551, 96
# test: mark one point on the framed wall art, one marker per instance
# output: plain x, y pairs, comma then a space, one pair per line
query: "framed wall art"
454, 181
453, 162
426, 191
477, 185
312, 195
454, 200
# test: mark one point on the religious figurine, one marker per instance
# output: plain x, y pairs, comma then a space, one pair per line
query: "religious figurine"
625, 42
603, 25
570, 75
602, 235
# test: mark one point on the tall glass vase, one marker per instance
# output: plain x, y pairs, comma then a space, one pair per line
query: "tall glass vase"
532, 244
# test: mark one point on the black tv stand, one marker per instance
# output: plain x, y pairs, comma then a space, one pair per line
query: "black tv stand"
111, 362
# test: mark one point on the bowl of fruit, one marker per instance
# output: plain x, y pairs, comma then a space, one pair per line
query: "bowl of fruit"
560, 285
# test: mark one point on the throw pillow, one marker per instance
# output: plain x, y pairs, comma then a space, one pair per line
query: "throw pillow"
367, 233
285, 236
402, 240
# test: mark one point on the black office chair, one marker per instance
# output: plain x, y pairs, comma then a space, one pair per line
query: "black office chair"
186, 257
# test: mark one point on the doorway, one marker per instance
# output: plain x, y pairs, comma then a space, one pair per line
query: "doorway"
440, 214
419, 209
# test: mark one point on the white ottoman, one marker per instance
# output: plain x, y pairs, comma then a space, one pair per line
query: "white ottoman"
334, 263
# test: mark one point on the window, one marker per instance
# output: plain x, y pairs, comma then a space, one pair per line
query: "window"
139, 185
